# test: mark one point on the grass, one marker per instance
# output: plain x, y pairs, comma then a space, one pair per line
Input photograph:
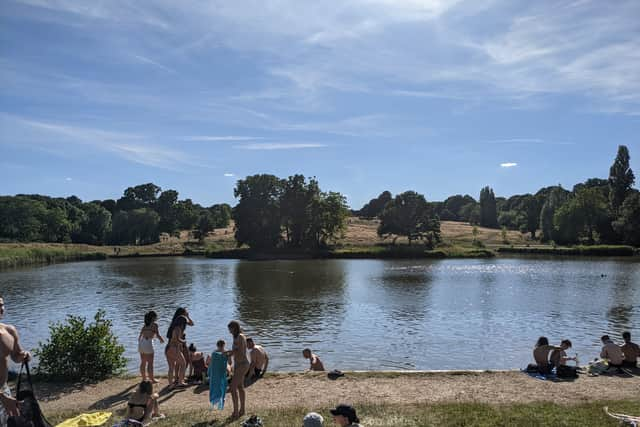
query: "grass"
19, 256
595, 250
445, 414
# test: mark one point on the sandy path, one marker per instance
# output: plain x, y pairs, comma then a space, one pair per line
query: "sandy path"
315, 390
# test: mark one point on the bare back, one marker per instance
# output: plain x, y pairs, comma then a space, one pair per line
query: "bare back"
8, 341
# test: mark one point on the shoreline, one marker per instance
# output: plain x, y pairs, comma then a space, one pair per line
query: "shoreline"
395, 389
68, 253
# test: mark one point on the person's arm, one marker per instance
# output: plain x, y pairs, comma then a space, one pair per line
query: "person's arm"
603, 353
18, 354
189, 321
266, 362
157, 330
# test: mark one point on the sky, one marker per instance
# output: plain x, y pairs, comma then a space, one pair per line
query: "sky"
441, 97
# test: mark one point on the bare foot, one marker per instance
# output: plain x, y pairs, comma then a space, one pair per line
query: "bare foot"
155, 381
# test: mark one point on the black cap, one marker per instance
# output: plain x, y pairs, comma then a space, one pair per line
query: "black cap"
345, 411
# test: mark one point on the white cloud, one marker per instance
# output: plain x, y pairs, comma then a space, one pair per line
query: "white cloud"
229, 175
68, 179
154, 63
279, 146
508, 165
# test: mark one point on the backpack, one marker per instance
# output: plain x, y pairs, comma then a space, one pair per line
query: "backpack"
564, 371
30, 413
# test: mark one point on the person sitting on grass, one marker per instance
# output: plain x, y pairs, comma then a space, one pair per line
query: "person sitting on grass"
630, 350
541, 356
315, 364
198, 366
345, 416
143, 404
259, 360
558, 360
611, 352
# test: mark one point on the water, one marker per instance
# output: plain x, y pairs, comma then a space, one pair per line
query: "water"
356, 314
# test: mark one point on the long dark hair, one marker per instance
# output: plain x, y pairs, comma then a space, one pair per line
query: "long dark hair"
542, 341
235, 328
149, 318
181, 311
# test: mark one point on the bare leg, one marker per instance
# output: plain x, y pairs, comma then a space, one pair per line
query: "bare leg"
150, 368
181, 364
234, 399
171, 363
142, 367
242, 395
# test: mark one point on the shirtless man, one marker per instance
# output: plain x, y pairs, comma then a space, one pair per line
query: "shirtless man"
630, 350
9, 346
240, 368
259, 360
611, 352
315, 364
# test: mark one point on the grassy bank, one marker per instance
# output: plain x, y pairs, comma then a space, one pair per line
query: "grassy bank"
596, 250
453, 414
19, 256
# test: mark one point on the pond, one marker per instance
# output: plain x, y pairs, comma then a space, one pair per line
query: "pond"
355, 314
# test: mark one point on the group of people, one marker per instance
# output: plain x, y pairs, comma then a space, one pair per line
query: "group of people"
245, 362
549, 357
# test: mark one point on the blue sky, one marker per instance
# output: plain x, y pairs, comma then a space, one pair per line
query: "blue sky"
442, 97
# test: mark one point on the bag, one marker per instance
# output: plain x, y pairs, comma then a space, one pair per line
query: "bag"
30, 413
253, 421
564, 371
335, 374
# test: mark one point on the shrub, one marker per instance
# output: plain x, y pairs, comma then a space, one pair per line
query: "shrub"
80, 351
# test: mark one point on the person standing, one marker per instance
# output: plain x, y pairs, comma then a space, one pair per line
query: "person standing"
9, 347
259, 360
630, 350
240, 368
177, 347
145, 345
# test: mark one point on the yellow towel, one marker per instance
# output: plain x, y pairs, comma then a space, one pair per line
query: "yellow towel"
85, 420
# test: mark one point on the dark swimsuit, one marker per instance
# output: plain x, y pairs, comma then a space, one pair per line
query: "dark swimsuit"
138, 405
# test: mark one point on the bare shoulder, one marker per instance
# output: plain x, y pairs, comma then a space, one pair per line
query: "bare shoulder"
9, 329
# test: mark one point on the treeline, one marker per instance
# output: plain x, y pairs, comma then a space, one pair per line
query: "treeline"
138, 217
594, 211
287, 213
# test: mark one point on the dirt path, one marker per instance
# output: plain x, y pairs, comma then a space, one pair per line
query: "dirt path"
315, 390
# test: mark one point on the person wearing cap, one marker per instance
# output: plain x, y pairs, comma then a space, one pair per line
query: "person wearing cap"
345, 416
312, 419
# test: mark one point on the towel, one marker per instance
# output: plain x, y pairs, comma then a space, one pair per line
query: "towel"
85, 420
217, 379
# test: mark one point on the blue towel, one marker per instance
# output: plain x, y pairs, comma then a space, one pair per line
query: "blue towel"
217, 379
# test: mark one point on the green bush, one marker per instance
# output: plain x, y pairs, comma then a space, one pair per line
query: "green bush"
80, 351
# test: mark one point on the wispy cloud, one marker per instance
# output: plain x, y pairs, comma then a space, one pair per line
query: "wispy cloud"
221, 138
508, 165
131, 147
68, 179
154, 63
528, 141
280, 146
229, 175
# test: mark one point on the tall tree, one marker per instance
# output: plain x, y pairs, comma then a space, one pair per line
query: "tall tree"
257, 215
621, 179
628, 223
488, 211
374, 208
556, 197
166, 206
295, 205
409, 214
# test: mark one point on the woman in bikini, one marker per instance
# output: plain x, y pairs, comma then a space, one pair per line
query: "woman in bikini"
176, 348
143, 404
240, 368
145, 345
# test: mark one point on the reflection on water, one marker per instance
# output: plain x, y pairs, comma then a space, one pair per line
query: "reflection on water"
357, 314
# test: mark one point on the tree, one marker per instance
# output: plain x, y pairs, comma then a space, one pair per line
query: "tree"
627, 224
205, 225
187, 214
96, 225
257, 215
533, 206
166, 206
136, 227
556, 197
329, 212
409, 214
295, 204
221, 214
621, 179
374, 208
488, 212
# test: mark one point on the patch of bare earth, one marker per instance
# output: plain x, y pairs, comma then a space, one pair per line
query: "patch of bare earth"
316, 390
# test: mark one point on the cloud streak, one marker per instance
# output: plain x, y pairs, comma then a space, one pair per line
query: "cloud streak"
508, 165
280, 146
